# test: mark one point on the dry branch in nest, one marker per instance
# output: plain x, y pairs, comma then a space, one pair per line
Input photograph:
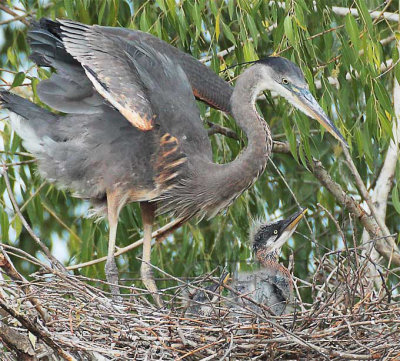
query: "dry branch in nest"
59, 316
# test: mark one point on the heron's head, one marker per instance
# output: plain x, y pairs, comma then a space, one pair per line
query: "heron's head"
286, 79
269, 238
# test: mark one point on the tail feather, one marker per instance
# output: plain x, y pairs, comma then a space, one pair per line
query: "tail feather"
59, 143
31, 122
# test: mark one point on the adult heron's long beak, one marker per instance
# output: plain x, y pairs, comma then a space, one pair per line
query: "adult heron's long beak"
308, 104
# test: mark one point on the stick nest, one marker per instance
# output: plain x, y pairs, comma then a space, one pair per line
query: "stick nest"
56, 316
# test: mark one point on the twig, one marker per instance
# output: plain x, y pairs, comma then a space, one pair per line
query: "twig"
44, 248
17, 342
216, 128
10, 270
36, 330
13, 13
158, 234
8, 21
334, 222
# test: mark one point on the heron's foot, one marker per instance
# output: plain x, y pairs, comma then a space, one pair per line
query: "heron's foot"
111, 271
148, 280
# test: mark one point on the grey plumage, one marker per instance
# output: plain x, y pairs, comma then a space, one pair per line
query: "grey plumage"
269, 287
132, 130
74, 89
206, 302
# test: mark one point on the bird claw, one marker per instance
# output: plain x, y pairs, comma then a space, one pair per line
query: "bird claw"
111, 271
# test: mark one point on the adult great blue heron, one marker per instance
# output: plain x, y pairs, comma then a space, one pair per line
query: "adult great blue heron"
133, 131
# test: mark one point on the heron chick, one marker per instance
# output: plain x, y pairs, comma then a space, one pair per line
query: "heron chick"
272, 285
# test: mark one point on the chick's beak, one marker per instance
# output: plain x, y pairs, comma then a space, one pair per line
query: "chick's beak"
288, 228
307, 103
294, 219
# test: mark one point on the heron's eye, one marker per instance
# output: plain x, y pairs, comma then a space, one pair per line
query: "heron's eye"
276, 231
285, 81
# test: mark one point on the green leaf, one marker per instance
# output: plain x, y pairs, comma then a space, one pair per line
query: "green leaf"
196, 15
144, 24
162, 5
227, 32
249, 52
395, 57
101, 11
171, 4
352, 30
253, 29
213, 7
231, 8
291, 137
18, 79
383, 97
34, 83
365, 15
349, 55
4, 226
217, 28
288, 26
69, 8
11, 57
17, 225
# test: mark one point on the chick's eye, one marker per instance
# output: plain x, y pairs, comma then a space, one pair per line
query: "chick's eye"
276, 231
285, 81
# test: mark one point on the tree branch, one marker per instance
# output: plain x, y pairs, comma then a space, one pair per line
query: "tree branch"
355, 208
17, 342
13, 13
218, 129
374, 14
10, 270
44, 248
36, 330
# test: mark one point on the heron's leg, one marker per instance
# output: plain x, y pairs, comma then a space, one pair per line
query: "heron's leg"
148, 210
111, 270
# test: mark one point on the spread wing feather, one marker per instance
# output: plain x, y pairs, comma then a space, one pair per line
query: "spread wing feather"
110, 70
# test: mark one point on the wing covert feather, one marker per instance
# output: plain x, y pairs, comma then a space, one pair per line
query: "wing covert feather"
109, 69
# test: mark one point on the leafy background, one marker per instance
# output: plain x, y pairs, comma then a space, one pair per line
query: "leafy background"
324, 45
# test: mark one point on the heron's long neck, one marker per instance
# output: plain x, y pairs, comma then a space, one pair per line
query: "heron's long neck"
231, 179
208, 188
257, 131
270, 264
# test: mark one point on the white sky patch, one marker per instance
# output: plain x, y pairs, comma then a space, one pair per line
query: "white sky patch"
60, 248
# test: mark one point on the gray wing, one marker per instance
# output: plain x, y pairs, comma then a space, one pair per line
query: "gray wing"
68, 90
146, 86
109, 63
264, 288
71, 91
206, 85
